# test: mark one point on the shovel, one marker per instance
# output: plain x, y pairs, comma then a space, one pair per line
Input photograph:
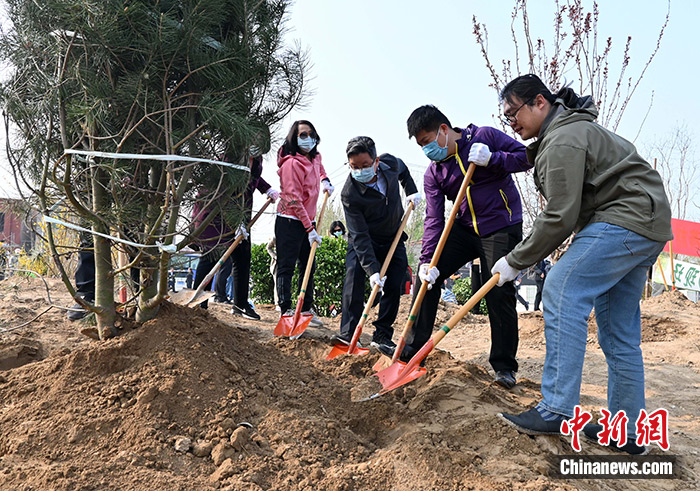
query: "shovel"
384, 360
400, 373
294, 325
352, 349
186, 297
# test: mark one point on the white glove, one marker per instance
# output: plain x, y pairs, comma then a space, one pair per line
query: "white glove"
314, 237
242, 231
375, 280
426, 273
508, 272
327, 186
479, 154
415, 198
273, 194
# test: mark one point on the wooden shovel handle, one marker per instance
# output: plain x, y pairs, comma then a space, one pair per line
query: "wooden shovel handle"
229, 251
436, 257
385, 266
450, 324
312, 254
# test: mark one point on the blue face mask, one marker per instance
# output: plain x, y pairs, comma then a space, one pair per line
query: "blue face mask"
363, 175
434, 151
306, 144
338, 233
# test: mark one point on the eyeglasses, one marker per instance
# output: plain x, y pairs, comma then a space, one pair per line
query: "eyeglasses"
511, 118
307, 134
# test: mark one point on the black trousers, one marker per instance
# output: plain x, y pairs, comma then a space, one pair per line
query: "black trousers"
462, 246
540, 286
205, 265
240, 258
354, 290
292, 248
85, 275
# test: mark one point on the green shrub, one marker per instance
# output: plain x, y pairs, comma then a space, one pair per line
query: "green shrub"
261, 291
463, 291
328, 279
330, 275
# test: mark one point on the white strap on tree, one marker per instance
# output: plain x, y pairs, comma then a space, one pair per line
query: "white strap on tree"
137, 156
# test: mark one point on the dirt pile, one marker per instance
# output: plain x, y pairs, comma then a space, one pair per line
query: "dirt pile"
190, 402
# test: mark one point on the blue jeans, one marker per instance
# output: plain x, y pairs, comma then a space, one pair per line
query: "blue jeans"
605, 268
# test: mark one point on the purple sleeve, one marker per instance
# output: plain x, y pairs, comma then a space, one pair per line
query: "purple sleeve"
434, 215
506, 153
262, 185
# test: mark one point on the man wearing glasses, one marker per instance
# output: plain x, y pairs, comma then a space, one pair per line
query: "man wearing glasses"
488, 226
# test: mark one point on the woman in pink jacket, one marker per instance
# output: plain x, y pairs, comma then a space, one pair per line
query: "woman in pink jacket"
302, 177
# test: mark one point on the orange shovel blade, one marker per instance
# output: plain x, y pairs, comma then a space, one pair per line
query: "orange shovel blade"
301, 325
344, 349
291, 327
395, 376
383, 362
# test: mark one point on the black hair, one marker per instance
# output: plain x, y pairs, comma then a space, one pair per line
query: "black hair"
290, 147
425, 118
361, 144
527, 87
336, 224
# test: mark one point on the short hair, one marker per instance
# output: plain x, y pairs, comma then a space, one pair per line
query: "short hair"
426, 118
361, 144
290, 146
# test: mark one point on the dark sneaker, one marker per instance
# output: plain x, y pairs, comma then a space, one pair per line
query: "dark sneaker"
381, 338
505, 378
591, 431
247, 312
287, 313
78, 313
531, 423
222, 300
345, 339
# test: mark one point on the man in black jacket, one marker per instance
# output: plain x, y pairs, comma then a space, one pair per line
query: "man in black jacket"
373, 213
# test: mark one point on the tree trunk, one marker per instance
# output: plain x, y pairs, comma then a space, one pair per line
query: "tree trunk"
104, 278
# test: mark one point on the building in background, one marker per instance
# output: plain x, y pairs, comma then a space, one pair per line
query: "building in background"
16, 225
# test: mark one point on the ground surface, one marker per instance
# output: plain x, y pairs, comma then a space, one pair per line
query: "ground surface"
202, 400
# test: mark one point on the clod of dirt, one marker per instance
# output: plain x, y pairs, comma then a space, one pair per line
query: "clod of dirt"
240, 437
202, 448
182, 444
365, 389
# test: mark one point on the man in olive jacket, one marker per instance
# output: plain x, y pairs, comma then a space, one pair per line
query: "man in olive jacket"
373, 212
598, 186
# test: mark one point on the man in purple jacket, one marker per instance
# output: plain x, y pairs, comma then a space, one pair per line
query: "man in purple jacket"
487, 227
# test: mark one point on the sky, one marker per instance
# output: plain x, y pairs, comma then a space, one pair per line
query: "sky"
376, 61
373, 62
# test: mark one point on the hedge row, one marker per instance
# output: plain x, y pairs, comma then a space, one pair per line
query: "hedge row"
328, 279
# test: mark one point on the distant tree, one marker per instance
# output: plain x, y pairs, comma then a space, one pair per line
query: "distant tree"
576, 48
205, 79
674, 157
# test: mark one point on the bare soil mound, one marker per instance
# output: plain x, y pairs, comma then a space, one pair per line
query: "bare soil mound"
190, 402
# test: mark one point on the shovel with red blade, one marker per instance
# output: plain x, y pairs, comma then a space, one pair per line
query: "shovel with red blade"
294, 325
400, 373
384, 361
352, 348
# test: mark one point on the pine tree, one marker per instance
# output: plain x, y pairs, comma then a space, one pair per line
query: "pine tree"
197, 78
